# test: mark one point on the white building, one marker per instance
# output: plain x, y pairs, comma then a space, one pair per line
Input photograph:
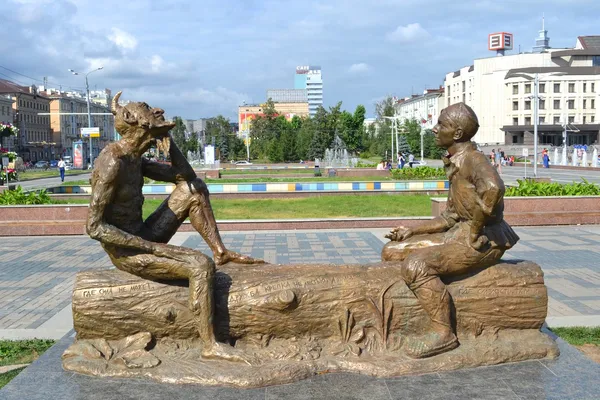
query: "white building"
288, 95
424, 108
309, 77
500, 90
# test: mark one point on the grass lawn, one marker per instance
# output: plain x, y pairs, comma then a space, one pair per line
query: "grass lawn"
308, 171
49, 173
579, 335
8, 376
20, 352
382, 205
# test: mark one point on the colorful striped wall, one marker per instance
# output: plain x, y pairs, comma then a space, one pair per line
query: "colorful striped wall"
284, 187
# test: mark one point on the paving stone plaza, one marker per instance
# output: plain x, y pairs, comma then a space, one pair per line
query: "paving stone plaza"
37, 274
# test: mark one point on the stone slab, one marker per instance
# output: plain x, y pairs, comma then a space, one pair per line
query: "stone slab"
571, 376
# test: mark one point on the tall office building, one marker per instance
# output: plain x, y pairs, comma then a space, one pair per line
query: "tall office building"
309, 77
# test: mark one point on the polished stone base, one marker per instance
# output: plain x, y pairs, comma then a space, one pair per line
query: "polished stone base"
571, 376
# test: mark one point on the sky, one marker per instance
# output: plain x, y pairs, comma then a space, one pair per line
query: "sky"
202, 58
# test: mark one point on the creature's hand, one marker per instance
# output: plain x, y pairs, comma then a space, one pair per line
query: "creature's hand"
170, 251
478, 241
399, 234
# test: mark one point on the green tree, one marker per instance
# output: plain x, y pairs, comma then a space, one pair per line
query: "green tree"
178, 132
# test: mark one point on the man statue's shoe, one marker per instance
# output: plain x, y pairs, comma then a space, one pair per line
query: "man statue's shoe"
430, 344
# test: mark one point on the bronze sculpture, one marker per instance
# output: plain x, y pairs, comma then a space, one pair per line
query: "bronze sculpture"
439, 284
139, 247
471, 233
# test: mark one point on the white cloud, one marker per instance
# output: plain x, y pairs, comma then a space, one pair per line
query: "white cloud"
124, 40
359, 68
408, 34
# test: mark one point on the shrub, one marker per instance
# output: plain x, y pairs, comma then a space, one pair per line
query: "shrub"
531, 188
418, 173
19, 197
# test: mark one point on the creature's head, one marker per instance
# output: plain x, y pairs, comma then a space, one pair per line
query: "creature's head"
139, 119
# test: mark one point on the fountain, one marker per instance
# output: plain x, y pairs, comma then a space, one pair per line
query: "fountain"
595, 158
556, 156
195, 159
563, 160
584, 159
337, 156
574, 160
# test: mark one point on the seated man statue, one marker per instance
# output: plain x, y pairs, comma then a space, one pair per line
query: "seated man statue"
470, 233
139, 247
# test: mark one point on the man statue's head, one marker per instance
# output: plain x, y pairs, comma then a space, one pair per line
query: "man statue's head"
140, 120
456, 123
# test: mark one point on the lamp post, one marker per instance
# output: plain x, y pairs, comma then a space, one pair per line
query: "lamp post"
394, 132
246, 132
87, 91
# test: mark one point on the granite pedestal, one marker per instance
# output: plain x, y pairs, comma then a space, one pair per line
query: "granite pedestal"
571, 376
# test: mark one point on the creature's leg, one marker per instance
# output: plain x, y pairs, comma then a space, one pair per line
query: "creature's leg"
190, 199
183, 263
435, 300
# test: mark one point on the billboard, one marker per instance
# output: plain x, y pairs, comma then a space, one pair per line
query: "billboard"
90, 132
78, 154
500, 41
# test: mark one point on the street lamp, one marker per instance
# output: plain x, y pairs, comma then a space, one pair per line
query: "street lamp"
247, 132
394, 131
87, 90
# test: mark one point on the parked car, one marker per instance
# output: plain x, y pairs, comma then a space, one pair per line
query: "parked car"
42, 164
53, 163
243, 162
68, 166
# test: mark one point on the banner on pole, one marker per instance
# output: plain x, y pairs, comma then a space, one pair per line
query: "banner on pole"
78, 154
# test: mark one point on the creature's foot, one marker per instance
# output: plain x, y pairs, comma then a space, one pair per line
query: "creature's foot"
232, 256
220, 351
430, 344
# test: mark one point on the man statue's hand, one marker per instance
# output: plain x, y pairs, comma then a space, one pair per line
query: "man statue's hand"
478, 241
399, 234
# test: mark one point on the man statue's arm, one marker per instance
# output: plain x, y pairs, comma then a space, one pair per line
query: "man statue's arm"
102, 195
179, 170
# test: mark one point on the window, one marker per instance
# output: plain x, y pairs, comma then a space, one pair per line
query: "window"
515, 89
515, 105
584, 119
527, 120
557, 104
592, 87
571, 119
515, 139
595, 61
571, 88
542, 104
557, 88
556, 120
464, 98
528, 104
528, 88
542, 87
571, 104
541, 120
464, 85
584, 104
593, 104
584, 87
515, 121
592, 118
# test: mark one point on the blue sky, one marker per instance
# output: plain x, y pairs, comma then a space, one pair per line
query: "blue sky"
203, 58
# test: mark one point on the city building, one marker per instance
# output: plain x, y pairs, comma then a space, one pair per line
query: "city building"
34, 141
7, 117
248, 112
103, 97
309, 77
500, 90
424, 108
287, 95
69, 114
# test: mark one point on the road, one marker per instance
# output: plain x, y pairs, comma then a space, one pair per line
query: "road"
51, 182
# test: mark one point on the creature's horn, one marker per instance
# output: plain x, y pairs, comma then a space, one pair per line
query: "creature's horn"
115, 103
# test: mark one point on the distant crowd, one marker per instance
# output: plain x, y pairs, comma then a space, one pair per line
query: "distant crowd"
402, 161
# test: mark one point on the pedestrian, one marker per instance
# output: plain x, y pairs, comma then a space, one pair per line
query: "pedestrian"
411, 160
499, 162
401, 161
61, 169
546, 158
493, 157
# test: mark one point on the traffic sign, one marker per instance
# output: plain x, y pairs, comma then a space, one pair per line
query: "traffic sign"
90, 132
525, 152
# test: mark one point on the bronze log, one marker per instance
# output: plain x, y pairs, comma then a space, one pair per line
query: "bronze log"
287, 301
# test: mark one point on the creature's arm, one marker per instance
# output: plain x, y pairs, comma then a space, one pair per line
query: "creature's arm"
102, 194
490, 191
